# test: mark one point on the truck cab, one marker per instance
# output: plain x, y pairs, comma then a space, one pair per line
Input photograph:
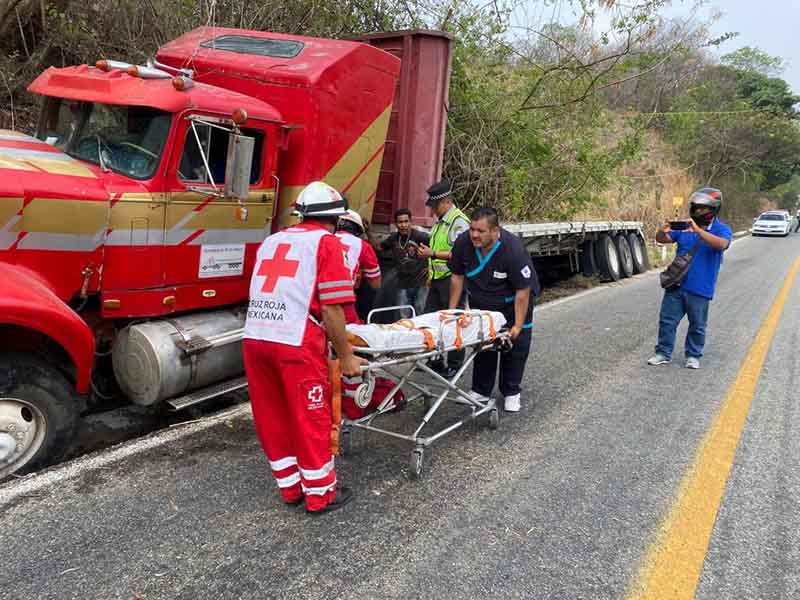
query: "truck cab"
130, 220
116, 210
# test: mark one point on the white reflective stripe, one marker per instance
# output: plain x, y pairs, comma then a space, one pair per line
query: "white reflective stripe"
318, 491
439, 266
283, 463
334, 284
317, 473
352, 380
333, 295
371, 273
349, 393
288, 481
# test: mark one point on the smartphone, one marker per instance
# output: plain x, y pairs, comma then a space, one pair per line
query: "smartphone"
678, 225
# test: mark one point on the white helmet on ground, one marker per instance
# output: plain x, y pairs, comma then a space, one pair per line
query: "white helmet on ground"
353, 217
318, 199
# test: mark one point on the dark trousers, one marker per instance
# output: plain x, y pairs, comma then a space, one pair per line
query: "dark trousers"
439, 299
512, 367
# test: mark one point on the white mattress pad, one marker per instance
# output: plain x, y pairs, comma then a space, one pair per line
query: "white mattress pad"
425, 332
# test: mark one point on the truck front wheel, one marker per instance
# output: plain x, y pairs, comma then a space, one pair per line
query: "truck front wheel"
38, 413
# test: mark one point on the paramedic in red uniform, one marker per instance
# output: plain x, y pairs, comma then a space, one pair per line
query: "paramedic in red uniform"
361, 258
300, 283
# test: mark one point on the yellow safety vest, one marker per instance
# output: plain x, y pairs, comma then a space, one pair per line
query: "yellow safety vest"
440, 242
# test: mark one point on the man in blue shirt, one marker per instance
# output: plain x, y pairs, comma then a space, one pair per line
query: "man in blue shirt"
711, 237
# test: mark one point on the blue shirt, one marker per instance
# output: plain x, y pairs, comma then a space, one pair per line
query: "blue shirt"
703, 272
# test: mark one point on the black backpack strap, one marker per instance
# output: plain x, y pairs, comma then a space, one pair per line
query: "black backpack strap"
694, 249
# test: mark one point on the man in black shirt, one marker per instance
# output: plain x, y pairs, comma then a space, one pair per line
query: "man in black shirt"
412, 269
499, 276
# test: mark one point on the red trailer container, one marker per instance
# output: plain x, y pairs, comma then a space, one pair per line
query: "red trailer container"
412, 158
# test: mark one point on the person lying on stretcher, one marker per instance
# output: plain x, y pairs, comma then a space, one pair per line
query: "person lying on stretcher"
454, 328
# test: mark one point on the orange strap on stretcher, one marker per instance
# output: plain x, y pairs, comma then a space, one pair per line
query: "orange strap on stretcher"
464, 320
335, 375
426, 334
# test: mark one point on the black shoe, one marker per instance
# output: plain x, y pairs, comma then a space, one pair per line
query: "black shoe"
449, 372
437, 366
343, 496
297, 502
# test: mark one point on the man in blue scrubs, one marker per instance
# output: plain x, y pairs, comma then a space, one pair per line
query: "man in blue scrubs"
695, 292
499, 275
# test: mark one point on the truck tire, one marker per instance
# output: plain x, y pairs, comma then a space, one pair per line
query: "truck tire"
38, 414
607, 258
641, 262
625, 257
588, 262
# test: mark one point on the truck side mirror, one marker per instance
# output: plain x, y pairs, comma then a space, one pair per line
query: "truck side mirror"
238, 166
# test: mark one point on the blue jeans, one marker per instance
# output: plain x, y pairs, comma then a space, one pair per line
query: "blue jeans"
674, 306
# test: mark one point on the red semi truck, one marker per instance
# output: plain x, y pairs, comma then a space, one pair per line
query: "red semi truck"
130, 221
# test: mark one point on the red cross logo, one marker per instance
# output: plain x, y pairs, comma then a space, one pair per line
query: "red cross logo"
315, 394
276, 267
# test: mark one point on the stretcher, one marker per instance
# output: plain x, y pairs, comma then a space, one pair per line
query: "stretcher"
401, 352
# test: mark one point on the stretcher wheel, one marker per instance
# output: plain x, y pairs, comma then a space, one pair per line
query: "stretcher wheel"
416, 463
494, 419
363, 395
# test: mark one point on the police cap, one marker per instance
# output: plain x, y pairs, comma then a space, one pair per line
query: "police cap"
438, 191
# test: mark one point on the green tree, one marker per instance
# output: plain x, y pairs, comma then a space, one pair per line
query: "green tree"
754, 60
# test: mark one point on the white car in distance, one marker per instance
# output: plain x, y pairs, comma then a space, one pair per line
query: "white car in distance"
772, 223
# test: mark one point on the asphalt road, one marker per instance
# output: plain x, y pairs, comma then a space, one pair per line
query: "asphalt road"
564, 500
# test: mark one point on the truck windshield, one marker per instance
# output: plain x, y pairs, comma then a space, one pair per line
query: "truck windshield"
125, 139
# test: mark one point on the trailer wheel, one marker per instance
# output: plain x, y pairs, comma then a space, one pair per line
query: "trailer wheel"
607, 258
588, 262
38, 414
641, 262
624, 252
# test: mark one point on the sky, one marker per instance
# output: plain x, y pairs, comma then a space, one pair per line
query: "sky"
771, 25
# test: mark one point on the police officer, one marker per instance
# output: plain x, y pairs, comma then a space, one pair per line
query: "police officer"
451, 223
499, 276
300, 282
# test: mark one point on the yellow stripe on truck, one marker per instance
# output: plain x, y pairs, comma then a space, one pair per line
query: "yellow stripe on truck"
50, 215
62, 167
347, 167
9, 207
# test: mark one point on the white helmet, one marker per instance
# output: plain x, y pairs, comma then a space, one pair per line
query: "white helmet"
318, 199
353, 217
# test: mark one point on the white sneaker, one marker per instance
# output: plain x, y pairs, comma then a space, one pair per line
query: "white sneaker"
658, 359
692, 362
512, 403
478, 397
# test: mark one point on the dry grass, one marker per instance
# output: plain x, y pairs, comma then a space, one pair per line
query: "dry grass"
568, 287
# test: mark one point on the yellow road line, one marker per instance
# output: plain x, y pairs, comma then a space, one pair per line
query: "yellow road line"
674, 562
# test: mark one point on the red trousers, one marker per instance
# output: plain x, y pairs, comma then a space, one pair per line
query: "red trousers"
291, 398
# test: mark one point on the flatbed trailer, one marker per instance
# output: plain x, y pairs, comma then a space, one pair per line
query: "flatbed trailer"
611, 249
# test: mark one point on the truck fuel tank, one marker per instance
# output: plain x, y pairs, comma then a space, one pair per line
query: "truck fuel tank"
163, 358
